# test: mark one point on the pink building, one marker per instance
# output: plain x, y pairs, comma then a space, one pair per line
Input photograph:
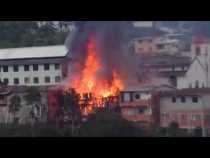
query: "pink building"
141, 104
190, 108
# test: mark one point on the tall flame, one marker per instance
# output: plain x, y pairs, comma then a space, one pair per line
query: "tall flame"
88, 81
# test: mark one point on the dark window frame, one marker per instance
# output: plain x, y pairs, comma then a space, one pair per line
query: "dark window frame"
56, 79
35, 67
46, 79
25, 78
46, 67
195, 99
26, 67
173, 99
137, 96
183, 99
57, 66
16, 68
7, 80
16, 81
36, 79
5, 68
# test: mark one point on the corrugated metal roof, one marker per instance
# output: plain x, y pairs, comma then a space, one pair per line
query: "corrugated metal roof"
33, 52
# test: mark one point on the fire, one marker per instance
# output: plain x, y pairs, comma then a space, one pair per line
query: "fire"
88, 82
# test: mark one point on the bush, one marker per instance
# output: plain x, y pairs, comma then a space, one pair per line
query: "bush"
38, 130
105, 123
173, 130
197, 132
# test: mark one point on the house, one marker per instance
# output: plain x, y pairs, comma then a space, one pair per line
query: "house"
169, 44
190, 108
141, 104
198, 75
34, 66
144, 46
162, 69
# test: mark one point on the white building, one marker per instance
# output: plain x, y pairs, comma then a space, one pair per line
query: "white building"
198, 75
33, 66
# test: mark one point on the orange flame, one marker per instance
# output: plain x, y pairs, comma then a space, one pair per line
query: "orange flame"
87, 81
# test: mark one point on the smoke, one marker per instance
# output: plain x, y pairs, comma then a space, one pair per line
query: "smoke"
112, 39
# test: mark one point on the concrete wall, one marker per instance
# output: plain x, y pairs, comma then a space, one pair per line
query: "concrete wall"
24, 112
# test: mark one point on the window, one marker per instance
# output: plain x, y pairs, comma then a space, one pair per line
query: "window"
15, 68
196, 117
165, 115
57, 79
57, 66
46, 67
137, 96
190, 85
35, 67
183, 117
160, 46
26, 67
174, 99
1, 97
183, 99
36, 80
203, 85
16, 81
47, 79
5, 68
27, 80
6, 80
195, 99
196, 84
142, 110
197, 50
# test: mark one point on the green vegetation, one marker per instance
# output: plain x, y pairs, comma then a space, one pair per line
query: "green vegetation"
32, 96
27, 33
14, 106
104, 123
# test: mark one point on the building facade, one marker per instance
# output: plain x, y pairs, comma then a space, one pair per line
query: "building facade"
198, 75
163, 69
188, 107
141, 104
34, 66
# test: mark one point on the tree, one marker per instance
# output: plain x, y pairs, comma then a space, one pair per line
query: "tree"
70, 111
105, 123
14, 106
173, 129
33, 99
28, 33
198, 132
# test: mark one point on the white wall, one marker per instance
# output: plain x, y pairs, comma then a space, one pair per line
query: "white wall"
41, 74
195, 72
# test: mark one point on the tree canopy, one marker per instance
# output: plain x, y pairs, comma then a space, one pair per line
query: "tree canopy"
28, 33
105, 123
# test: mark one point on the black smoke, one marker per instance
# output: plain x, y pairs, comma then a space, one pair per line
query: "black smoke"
113, 46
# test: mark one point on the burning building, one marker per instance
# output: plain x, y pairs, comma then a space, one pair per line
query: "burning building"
101, 64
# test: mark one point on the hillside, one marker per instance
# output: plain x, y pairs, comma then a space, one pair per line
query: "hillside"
29, 33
